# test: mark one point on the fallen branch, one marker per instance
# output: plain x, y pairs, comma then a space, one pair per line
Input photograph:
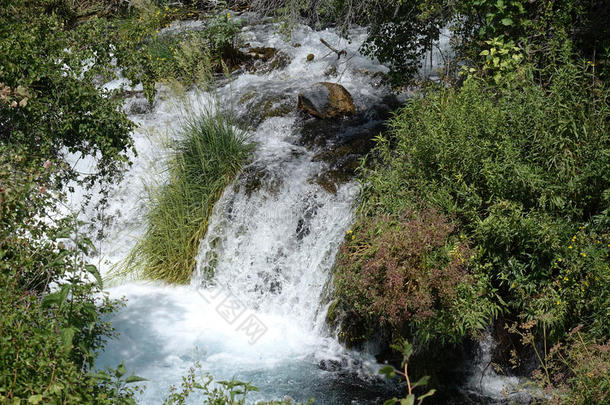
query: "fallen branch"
329, 46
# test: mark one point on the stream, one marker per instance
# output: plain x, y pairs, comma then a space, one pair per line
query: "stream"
271, 241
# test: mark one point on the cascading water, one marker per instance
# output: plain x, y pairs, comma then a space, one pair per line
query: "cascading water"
255, 309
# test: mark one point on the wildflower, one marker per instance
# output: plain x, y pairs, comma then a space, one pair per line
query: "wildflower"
583, 254
228, 15
570, 247
349, 232
353, 237
558, 302
559, 259
586, 283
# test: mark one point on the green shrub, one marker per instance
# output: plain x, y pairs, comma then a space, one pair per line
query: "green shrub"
202, 165
51, 301
50, 99
520, 168
194, 56
233, 392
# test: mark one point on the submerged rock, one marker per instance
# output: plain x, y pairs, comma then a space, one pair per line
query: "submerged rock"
326, 100
263, 53
262, 104
265, 59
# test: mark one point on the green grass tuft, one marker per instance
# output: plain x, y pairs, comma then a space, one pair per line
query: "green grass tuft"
208, 157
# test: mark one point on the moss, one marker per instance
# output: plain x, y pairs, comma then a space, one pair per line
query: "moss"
331, 314
260, 109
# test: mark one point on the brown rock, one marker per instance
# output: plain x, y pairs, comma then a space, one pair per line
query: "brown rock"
263, 53
326, 100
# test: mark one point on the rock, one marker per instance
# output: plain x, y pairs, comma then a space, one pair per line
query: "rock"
263, 53
265, 103
310, 57
296, 45
326, 100
265, 59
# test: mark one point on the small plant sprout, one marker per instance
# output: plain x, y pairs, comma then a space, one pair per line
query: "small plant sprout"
390, 372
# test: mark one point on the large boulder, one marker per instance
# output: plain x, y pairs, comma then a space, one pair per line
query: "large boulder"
326, 100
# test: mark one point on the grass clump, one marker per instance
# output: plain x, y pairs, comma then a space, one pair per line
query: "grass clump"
203, 163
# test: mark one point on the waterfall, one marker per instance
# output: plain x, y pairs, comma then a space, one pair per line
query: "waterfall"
255, 308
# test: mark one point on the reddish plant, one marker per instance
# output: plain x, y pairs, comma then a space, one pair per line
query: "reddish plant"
404, 268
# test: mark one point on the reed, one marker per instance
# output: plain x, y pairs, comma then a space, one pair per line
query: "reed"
202, 164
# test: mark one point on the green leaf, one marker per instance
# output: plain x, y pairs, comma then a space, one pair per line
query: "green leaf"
422, 381
507, 21
120, 370
67, 335
58, 298
409, 400
484, 53
96, 273
134, 378
392, 401
101, 375
388, 371
427, 394
35, 399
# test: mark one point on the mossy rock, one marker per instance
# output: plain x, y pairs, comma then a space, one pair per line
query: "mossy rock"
255, 178
326, 100
263, 105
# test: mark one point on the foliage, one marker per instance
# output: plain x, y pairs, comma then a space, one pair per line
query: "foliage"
522, 169
231, 392
192, 57
51, 300
406, 349
204, 162
410, 270
50, 69
575, 370
52, 65
401, 31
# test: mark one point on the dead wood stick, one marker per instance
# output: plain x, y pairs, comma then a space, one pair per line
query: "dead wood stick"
329, 46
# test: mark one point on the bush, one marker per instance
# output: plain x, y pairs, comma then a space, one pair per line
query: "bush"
50, 100
51, 301
412, 273
202, 165
194, 56
519, 168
